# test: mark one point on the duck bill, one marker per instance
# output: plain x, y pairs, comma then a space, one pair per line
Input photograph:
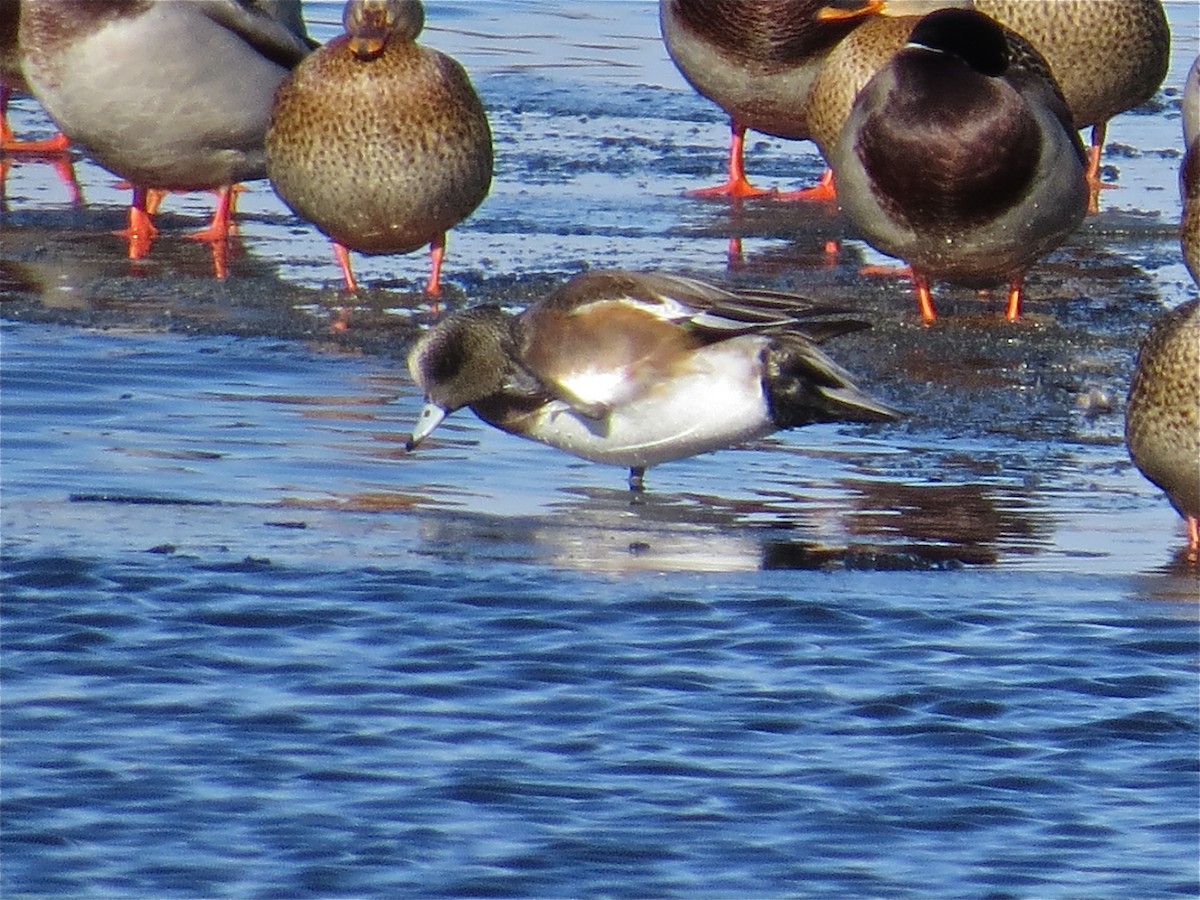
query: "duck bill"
371, 33
848, 10
430, 418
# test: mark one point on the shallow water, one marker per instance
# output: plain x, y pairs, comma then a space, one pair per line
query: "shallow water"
253, 648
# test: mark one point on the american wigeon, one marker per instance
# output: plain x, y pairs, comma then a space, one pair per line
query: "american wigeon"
960, 164
1162, 416
757, 60
1107, 57
637, 369
166, 95
381, 143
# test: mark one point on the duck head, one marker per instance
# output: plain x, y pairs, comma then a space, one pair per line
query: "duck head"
969, 36
370, 24
463, 359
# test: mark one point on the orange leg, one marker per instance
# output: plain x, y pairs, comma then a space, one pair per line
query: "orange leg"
437, 253
924, 298
218, 228
141, 231
10, 144
54, 145
1092, 175
823, 191
736, 185
1193, 527
1012, 311
56, 150
342, 254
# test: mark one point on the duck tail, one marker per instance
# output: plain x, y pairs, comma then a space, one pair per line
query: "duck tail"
803, 386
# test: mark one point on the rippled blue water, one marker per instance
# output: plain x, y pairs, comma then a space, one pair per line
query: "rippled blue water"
250, 648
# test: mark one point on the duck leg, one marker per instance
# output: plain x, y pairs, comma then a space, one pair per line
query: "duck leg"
10, 144
823, 191
55, 150
218, 228
924, 297
437, 253
637, 479
342, 255
141, 231
1092, 174
736, 185
1012, 311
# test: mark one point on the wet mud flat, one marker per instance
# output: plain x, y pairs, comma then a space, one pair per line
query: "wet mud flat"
254, 648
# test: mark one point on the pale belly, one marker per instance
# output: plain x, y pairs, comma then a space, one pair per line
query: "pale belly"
717, 403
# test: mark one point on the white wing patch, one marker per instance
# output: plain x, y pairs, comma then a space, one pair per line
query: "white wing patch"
605, 387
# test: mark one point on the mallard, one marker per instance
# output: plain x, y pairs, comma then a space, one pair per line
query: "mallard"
166, 95
962, 165
757, 60
1162, 416
1107, 56
380, 142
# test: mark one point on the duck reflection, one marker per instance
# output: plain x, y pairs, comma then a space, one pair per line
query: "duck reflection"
970, 522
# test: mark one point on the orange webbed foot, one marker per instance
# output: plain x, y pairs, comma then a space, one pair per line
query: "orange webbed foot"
824, 191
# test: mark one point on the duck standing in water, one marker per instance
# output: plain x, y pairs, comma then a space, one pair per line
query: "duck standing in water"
166, 95
381, 143
1108, 57
960, 164
1162, 416
636, 369
757, 60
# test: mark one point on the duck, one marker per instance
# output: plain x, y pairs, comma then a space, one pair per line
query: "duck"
1189, 173
380, 142
757, 60
853, 60
1107, 57
166, 95
972, 184
1162, 412
639, 368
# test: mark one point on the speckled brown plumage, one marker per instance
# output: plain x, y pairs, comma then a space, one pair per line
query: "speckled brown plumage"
382, 154
1108, 56
1162, 418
